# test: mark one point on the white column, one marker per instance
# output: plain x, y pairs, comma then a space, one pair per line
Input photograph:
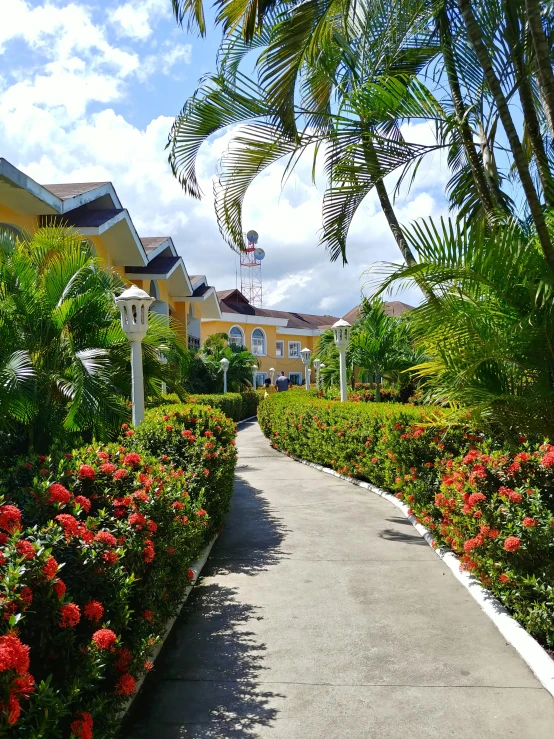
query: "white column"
343, 384
308, 373
137, 382
224, 381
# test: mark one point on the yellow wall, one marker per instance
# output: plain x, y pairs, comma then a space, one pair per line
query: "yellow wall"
27, 223
285, 364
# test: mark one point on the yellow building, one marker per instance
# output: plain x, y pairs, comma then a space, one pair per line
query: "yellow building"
94, 210
275, 337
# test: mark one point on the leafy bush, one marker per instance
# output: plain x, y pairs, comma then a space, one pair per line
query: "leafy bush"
490, 499
250, 402
228, 403
95, 551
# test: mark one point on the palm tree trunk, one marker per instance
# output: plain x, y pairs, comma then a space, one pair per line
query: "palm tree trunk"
542, 55
488, 198
515, 44
476, 39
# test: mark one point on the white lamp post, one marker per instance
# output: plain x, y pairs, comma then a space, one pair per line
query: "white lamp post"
306, 355
272, 375
321, 366
317, 365
254, 370
341, 331
133, 307
224, 366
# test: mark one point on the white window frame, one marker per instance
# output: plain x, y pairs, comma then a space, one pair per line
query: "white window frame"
255, 353
261, 377
299, 345
299, 375
282, 354
241, 333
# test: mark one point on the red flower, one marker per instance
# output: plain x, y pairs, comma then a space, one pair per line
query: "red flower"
83, 502
529, 522
70, 615
148, 615
132, 459
105, 537
68, 523
86, 472
201, 512
512, 544
148, 551
26, 595
190, 574
130, 433
178, 505
493, 533
503, 578
548, 459
85, 534
148, 665
170, 550
58, 493
137, 519
59, 588
23, 684
125, 685
82, 726
207, 473
10, 518
14, 709
103, 455
476, 498
124, 425
110, 556
120, 474
25, 549
94, 610
14, 655
208, 433
104, 639
108, 468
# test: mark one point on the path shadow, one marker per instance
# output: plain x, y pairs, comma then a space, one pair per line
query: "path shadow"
392, 535
252, 539
205, 684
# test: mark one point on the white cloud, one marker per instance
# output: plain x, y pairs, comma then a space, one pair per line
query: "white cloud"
136, 19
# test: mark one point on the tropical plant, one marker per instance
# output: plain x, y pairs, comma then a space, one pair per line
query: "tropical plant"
207, 375
64, 360
490, 331
382, 345
343, 76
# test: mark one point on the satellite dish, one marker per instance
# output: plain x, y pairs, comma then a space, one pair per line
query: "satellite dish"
252, 237
259, 254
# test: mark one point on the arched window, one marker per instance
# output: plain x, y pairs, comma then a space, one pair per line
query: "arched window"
11, 229
258, 342
236, 336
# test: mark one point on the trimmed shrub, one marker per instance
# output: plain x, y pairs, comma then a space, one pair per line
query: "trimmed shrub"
228, 403
95, 551
490, 499
250, 401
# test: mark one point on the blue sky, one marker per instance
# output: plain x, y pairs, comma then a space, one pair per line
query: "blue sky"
88, 92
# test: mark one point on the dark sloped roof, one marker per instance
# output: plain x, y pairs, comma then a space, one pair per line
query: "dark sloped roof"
71, 189
158, 266
233, 301
391, 308
152, 242
83, 218
201, 290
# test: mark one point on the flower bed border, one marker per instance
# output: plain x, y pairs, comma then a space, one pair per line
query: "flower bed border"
197, 568
528, 648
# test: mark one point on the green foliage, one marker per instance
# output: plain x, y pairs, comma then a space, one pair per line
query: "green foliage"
488, 333
64, 360
103, 539
490, 499
229, 403
206, 374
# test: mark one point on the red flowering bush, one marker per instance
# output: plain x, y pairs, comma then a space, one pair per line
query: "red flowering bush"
491, 500
90, 543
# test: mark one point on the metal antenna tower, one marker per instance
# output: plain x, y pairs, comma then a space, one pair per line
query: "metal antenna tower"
251, 270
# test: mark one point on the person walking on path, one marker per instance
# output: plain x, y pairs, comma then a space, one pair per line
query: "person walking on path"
282, 383
269, 389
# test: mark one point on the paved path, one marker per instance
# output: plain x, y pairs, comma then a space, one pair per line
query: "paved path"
323, 615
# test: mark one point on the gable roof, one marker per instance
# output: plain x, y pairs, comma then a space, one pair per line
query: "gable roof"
233, 301
67, 190
390, 308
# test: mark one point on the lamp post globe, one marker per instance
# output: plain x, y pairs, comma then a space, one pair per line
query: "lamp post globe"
341, 335
224, 366
306, 355
133, 306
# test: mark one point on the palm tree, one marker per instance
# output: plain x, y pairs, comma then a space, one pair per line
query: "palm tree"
208, 375
382, 344
64, 360
489, 334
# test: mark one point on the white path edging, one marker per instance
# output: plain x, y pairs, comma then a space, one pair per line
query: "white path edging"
528, 648
197, 569
244, 420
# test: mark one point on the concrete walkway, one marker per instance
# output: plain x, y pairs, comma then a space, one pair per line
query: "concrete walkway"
322, 614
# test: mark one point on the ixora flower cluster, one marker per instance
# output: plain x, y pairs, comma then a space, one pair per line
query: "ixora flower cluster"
95, 555
489, 500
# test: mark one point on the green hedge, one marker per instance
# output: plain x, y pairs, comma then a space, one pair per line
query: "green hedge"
236, 406
95, 551
489, 498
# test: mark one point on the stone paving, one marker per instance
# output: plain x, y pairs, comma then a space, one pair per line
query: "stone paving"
322, 614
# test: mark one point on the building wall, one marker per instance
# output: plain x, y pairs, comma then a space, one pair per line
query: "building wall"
285, 364
28, 223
